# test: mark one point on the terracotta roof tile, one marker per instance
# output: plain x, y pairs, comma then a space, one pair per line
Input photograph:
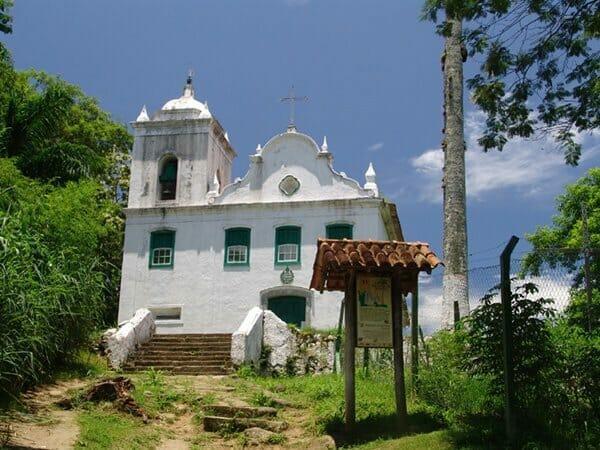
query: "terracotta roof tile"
336, 257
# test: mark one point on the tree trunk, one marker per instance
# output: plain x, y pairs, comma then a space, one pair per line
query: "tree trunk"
453, 183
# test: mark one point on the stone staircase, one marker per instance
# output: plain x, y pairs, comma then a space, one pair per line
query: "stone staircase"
184, 354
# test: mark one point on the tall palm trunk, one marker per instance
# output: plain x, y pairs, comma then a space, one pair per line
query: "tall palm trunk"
455, 214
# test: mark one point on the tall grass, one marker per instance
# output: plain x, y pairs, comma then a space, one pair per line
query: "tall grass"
51, 280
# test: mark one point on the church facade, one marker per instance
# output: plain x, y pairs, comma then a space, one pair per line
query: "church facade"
200, 250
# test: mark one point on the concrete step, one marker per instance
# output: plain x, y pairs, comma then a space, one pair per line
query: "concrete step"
217, 423
191, 337
193, 354
195, 369
188, 347
191, 351
171, 362
192, 341
182, 353
182, 356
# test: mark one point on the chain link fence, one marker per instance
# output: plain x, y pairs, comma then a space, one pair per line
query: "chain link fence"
555, 281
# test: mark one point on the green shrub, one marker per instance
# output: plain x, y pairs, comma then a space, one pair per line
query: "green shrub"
246, 371
574, 415
466, 403
556, 368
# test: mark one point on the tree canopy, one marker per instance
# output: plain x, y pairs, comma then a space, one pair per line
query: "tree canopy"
539, 70
56, 132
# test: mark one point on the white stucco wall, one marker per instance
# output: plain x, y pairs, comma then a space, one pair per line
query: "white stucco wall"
214, 297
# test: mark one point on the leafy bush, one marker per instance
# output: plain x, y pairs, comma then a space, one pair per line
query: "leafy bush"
556, 369
466, 402
574, 415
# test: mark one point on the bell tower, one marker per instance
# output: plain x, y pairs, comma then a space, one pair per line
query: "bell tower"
178, 153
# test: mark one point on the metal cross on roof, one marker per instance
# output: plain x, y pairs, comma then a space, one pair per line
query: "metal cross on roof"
293, 99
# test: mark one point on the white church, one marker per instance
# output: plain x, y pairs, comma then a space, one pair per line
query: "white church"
201, 251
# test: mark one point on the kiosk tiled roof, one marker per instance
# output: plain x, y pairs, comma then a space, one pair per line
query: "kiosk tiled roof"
336, 257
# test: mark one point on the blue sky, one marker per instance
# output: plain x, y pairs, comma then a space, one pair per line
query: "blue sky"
371, 71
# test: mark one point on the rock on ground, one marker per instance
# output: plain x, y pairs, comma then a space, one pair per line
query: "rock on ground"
257, 436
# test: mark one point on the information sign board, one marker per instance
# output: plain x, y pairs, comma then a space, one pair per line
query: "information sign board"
374, 308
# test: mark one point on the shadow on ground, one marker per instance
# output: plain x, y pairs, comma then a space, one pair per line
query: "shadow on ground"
384, 426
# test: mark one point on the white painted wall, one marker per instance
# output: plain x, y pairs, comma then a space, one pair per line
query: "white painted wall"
215, 298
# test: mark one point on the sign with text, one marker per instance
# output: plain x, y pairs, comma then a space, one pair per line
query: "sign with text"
374, 307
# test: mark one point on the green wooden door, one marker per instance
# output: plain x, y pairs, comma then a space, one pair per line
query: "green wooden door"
290, 309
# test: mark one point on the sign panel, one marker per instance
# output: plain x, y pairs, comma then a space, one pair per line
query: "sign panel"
374, 307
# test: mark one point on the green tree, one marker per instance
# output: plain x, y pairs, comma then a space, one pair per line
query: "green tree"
540, 69
58, 133
561, 244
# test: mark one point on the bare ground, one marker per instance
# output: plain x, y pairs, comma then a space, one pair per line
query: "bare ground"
45, 426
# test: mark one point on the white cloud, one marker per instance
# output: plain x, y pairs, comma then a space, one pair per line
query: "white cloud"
530, 166
376, 146
430, 307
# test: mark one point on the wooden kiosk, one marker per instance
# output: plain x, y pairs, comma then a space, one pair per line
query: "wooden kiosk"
375, 276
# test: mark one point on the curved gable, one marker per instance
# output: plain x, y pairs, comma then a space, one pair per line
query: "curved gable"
287, 157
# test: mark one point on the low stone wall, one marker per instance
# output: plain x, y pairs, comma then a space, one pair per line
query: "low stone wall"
315, 352
122, 342
294, 352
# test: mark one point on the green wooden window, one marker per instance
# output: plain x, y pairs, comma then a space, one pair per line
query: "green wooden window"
339, 231
168, 180
237, 246
287, 245
162, 248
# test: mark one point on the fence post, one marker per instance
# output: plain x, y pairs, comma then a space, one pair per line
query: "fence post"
414, 323
507, 340
586, 266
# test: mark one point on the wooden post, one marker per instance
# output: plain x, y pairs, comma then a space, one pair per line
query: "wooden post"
507, 343
349, 345
397, 300
414, 324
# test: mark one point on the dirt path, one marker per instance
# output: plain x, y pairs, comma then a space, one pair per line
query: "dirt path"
181, 430
46, 427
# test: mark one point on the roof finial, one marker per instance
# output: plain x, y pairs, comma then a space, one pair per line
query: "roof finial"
258, 149
188, 90
143, 116
324, 146
371, 180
